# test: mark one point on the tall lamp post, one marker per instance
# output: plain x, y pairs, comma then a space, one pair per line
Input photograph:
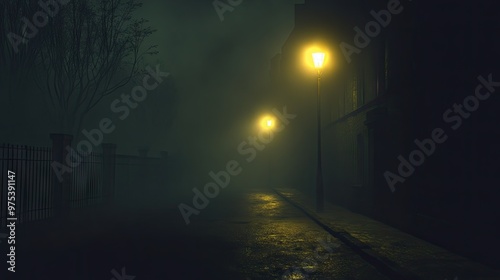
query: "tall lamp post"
318, 59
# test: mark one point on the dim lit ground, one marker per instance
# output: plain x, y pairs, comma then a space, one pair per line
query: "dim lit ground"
242, 234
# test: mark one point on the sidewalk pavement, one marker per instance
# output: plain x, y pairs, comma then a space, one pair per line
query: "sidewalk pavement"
396, 254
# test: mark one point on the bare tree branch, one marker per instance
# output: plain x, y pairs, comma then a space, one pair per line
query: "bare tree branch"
86, 49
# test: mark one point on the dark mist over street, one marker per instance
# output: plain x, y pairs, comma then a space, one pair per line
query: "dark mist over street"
230, 139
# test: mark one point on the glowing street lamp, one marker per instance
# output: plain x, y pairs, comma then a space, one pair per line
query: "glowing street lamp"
319, 59
269, 123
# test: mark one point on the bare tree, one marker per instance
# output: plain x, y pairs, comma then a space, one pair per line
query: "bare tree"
90, 49
19, 47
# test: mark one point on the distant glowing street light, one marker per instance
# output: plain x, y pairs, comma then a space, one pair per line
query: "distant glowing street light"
269, 123
319, 60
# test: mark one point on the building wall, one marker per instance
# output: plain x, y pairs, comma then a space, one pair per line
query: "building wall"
394, 92
354, 154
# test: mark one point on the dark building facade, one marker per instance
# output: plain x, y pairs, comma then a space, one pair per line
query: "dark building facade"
410, 121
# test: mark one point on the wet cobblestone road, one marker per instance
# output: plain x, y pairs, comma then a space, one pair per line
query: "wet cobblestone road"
242, 234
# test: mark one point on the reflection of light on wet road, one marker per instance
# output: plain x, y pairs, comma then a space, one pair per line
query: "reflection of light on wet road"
278, 238
265, 204
281, 231
280, 242
294, 276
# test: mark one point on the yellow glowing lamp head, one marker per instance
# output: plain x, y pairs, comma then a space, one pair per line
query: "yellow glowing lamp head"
318, 59
322, 57
269, 123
